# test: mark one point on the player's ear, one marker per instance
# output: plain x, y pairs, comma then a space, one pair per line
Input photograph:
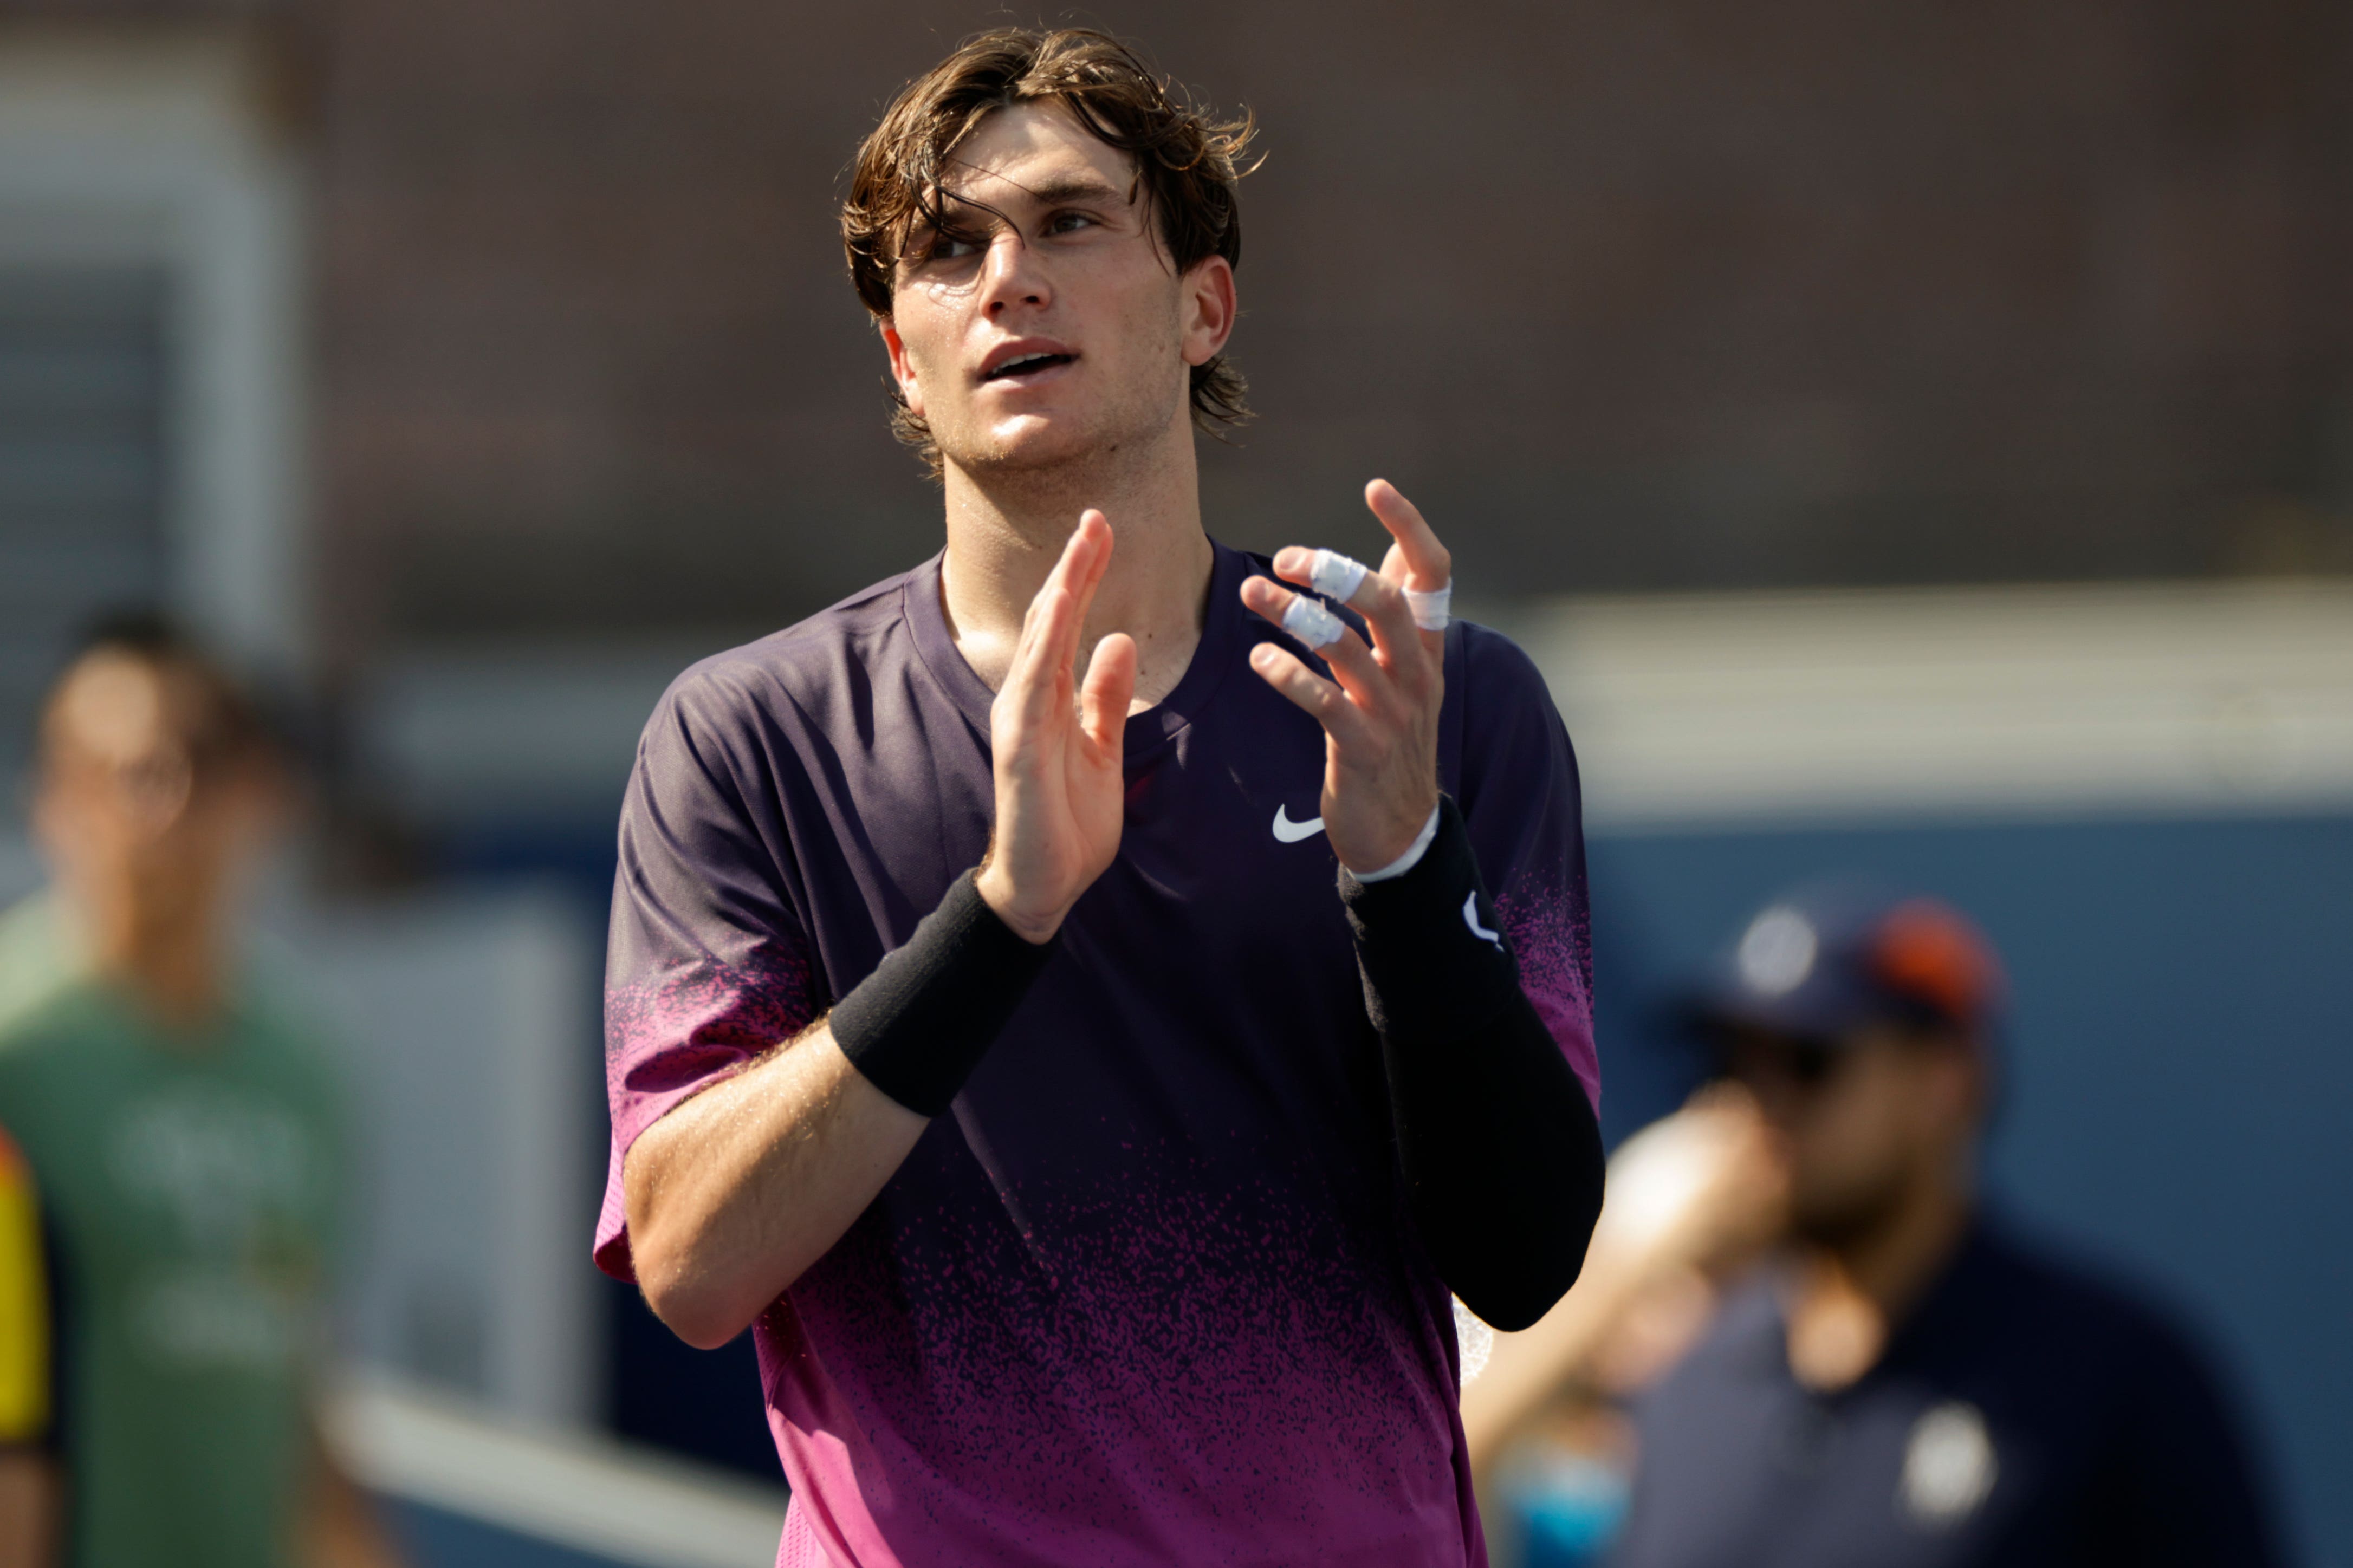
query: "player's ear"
1208, 309
902, 367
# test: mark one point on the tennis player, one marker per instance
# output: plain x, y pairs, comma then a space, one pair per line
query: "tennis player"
1087, 1001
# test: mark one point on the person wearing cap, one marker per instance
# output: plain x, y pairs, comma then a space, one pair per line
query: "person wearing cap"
1888, 1372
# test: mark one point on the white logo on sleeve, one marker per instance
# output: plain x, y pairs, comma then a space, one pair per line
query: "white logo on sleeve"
1289, 832
1470, 918
1948, 1466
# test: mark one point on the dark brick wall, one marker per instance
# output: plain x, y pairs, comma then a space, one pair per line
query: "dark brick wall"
1678, 293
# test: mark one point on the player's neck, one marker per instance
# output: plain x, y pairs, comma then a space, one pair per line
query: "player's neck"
1005, 531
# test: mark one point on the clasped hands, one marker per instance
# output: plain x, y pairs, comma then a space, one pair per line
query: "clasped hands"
1058, 741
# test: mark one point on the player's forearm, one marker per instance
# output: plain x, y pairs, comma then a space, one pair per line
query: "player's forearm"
1502, 1162
736, 1192
1497, 1142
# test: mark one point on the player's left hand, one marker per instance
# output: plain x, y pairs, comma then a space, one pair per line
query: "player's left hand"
1379, 709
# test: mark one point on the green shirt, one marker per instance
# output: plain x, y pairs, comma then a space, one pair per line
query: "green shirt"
40, 955
193, 1184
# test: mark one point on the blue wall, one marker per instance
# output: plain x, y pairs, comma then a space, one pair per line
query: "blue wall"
2180, 1071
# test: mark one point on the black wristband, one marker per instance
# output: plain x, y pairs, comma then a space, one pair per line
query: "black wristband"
919, 1025
1428, 942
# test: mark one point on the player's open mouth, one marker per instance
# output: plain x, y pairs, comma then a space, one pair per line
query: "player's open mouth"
1026, 364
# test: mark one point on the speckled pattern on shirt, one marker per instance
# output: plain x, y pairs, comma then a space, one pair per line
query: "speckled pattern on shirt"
1148, 1293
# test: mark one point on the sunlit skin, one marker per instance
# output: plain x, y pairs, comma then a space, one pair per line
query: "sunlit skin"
1047, 248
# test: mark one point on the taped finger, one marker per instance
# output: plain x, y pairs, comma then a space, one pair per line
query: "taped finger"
1336, 576
1315, 626
1432, 610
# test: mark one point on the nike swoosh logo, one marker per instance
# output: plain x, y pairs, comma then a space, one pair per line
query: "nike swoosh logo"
1470, 918
1289, 832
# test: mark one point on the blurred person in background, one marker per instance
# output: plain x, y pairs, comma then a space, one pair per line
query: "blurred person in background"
1831, 1351
185, 1140
1110, 1218
1693, 1202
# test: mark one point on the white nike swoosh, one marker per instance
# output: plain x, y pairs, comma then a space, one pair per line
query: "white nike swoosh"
1470, 918
1289, 832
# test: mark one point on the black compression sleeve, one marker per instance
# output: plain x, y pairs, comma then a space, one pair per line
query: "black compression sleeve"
919, 1025
1500, 1153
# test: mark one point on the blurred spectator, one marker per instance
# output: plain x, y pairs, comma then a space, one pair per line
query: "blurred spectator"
40, 953
1835, 1355
185, 1141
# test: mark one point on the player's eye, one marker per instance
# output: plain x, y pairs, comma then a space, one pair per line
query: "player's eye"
954, 245
1071, 222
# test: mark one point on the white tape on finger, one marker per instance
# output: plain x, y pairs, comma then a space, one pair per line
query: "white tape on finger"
1431, 609
1336, 576
1311, 623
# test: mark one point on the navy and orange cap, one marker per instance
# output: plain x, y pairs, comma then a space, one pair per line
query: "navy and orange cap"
1820, 963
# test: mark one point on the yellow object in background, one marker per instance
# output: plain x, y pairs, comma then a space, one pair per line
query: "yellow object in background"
23, 1304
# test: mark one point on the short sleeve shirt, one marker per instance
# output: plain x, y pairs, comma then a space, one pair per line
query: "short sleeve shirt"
2026, 1416
1148, 1291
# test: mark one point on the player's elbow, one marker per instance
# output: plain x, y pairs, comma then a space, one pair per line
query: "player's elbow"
704, 1326
1512, 1250
680, 1288
1559, 1260
1507, 1310
1513, 1293
683, 1267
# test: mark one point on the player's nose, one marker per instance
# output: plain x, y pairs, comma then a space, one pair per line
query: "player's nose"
1011, 274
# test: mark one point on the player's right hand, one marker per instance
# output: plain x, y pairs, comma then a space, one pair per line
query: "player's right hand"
1060, 790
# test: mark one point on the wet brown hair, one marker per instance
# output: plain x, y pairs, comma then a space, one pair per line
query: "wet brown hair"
1186, 160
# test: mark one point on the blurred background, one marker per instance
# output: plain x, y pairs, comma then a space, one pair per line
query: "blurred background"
1914, 439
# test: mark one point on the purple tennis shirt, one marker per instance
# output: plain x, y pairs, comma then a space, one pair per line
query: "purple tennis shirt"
1149, 1292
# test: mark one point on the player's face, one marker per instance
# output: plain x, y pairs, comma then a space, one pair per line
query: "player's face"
1860, 1124
1043, 320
